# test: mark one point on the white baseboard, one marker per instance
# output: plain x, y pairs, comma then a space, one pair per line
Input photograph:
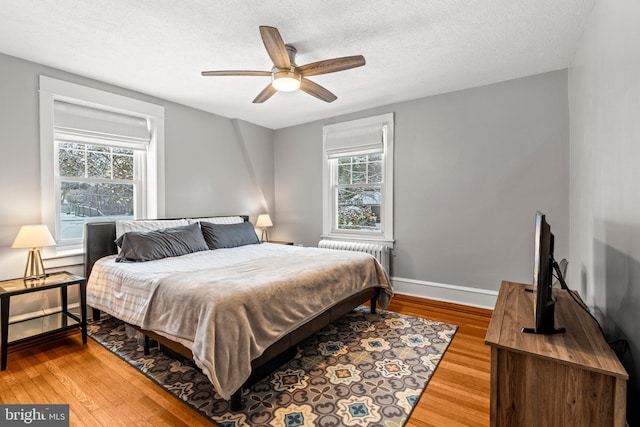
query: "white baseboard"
464, 295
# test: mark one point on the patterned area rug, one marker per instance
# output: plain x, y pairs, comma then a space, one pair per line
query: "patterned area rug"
362, 370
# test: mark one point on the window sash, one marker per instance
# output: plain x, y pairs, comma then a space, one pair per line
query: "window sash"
335, 189
88, 151
359, 185
363, 230
369, 170
138, 183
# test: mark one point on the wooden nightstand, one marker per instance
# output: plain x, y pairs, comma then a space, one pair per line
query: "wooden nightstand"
280, 242
18, 332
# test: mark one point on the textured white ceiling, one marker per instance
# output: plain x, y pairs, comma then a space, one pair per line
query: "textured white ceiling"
413, 48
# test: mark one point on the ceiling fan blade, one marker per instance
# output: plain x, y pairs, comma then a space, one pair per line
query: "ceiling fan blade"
275, 47
331, 65
316, 90
236, 73
266, 93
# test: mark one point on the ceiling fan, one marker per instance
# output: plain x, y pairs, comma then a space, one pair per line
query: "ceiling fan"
285, 75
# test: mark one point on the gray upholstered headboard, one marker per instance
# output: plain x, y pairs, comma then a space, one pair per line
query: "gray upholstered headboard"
99, 241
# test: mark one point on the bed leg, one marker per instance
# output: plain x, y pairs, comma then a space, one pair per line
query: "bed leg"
373, 305
96, 314
236, 400
146, 345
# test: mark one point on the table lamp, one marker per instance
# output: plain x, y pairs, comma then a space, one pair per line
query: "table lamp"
263, 222
34, 237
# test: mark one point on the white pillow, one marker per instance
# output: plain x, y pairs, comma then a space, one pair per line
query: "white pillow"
218, 220
147, 225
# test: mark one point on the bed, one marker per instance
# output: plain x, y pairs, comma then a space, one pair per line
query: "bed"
237, 310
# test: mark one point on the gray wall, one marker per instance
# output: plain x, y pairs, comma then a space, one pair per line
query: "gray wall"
209, 167
213, 165
471, 169
604, 104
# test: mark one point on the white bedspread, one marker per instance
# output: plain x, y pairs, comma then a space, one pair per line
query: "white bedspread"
229, 305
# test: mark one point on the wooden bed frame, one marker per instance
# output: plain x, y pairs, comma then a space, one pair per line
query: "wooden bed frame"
99, 241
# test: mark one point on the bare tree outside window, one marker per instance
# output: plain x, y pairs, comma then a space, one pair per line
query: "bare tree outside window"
96, 183
359, 192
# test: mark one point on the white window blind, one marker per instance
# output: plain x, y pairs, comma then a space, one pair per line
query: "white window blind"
349, 141
102, 127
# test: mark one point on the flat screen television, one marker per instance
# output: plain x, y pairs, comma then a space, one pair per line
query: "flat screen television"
544, 266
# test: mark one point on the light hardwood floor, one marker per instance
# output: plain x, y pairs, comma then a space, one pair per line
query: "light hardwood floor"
102, 390
459, 391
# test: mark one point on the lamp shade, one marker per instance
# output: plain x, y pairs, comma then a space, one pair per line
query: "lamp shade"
33, 236
264, 220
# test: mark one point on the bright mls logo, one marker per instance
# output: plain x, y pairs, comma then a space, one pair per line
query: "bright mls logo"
34, 415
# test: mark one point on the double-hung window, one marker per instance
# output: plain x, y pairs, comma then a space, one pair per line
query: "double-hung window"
358, 173
99, 158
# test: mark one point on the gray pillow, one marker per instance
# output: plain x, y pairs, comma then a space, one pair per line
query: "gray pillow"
220, 236
138, 246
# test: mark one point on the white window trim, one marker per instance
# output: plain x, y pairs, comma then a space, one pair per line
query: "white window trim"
328, 200
54, 89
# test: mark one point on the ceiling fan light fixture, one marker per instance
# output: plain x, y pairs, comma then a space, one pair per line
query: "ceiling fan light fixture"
286, 81
286, 76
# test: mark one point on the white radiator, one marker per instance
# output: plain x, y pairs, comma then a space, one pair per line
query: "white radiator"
379, 252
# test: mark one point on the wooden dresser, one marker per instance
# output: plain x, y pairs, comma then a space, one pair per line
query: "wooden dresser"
568, 379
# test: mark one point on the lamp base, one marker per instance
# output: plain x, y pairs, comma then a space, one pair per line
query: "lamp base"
34, 266
265, 236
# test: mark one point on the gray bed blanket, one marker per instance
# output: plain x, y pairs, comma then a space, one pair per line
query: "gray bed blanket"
233, 314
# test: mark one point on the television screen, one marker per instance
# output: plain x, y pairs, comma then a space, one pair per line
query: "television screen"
543, 266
